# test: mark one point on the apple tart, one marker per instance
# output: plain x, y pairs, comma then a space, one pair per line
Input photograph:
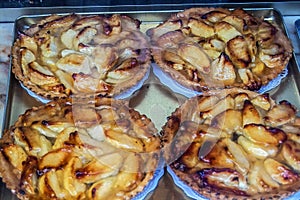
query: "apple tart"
234, 144
81, 54
78, 150
215, 48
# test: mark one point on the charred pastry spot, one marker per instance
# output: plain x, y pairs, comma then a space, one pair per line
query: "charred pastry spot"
234, 137
41, 40
40, 173
67, 111
280, 133
94, 190
133, 63
107, 29
80, 174
45, 123
73, 138
266, 96
137, 51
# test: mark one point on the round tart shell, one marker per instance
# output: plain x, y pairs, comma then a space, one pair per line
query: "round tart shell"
187, 174
140, 62
53, 111
162, 39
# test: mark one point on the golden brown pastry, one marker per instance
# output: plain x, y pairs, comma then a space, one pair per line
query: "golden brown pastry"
213, 48
235, 144
81, 54
71, 149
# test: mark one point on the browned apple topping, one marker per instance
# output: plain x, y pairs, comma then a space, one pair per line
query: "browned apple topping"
230, 144
225, 48
74, 149
81, 54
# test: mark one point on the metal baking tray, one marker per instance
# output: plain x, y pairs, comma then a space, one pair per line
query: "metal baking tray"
153, 99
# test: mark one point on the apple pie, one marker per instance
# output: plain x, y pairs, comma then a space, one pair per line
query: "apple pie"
61, 55
235, 144
71, 149
215, 48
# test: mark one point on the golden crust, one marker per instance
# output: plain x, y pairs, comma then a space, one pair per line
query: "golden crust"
210, 145
56, 151
74, 44
257, 50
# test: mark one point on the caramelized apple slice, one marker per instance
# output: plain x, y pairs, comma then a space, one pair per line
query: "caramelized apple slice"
124, 141
240, 99
43, 77
207, 103
215, 15
164, 28
29, 178
190, 158
263, 101
75, 63
224, 104
49, 46
200, 28
173, 57
249, 79
280, 172
55, 159
224, 178
105, 57
251, 114
52, 181
260, 179
128, 177
49, 129
291, 153
262, 134
103, 189
15, 154
223, 70
237, 22
68, 37
84, 36
238, 52
100, 168
44, 185
217, 155
63, 137
229, 120
226, 31
239, 156
194, 55
29, 43
31, 141
26, 57
260, 151
280, 114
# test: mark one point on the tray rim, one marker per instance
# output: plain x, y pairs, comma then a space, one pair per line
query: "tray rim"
9, 93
